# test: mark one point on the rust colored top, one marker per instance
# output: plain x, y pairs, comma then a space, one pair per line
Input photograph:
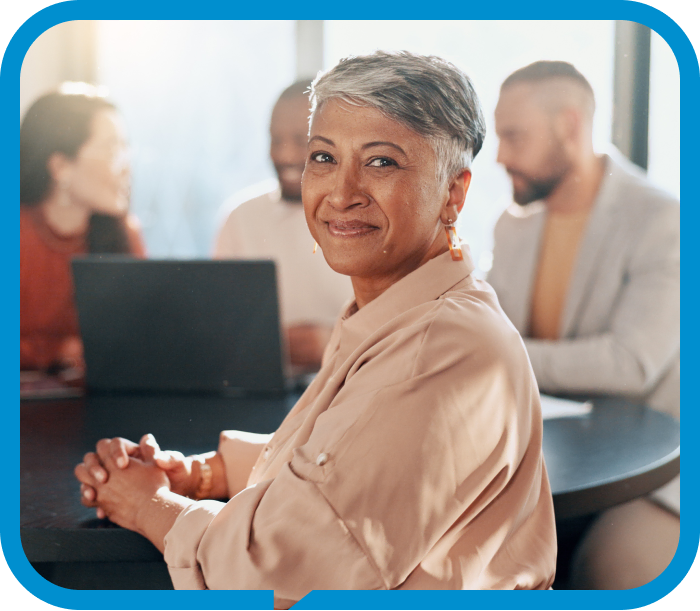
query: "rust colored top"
48, 318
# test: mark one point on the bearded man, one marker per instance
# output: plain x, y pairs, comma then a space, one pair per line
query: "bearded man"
587, 267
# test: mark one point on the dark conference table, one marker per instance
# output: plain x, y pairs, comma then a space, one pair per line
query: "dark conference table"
618, 452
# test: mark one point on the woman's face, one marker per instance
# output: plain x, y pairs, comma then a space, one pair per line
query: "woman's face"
99, 177
370, 193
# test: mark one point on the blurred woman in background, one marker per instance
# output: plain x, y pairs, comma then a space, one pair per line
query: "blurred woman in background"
74, 200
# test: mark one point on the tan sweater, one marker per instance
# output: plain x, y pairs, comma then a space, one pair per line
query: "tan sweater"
560, 243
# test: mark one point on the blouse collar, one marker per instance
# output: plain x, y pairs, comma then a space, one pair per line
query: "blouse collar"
425, 284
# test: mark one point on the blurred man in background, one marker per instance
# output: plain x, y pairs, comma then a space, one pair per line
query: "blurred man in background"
587, 266
267, 222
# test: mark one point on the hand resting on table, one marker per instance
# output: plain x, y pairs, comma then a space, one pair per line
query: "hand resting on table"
119, 493
133, 483
177, 467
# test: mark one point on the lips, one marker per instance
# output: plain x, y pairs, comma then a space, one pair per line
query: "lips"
350, 228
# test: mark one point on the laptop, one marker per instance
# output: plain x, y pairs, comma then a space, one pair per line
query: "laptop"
170, 325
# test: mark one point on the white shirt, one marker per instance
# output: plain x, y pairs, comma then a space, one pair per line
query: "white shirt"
259, 224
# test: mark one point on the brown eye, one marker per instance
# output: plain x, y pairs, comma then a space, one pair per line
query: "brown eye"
381, 162
322, 158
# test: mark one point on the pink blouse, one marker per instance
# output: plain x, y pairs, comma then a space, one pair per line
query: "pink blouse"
413, 461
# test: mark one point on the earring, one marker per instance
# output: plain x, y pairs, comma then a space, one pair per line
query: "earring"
315, 247
453, 241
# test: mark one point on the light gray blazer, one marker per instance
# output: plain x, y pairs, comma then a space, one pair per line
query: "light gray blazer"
620, 327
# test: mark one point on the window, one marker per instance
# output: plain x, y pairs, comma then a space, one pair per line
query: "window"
197, 97
664, 118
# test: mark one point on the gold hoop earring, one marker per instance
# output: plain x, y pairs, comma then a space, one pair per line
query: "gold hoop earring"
315, 247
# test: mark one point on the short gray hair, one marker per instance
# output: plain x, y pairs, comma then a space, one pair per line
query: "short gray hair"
425, 93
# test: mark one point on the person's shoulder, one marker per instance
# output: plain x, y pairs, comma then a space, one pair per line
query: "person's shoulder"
474, 305
644, 210
635, 190
24, 216
133, 224
137, 245
517, 216
262, 193
29, 225
27, 230
256, 199
468, 320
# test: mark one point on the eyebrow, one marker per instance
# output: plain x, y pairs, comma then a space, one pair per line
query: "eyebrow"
383, 143
364, 146
322, 139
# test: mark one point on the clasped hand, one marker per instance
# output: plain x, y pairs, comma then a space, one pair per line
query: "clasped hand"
123, 479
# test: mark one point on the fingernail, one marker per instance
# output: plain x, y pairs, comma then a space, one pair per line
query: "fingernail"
121, 462
100, 476
86, 494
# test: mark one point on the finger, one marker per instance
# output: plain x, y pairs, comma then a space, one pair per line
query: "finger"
94, 466
121, 449
116, 451
102, 449
149, 447
84, 476
87, 495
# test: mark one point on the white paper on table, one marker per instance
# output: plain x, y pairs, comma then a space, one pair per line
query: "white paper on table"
553, 407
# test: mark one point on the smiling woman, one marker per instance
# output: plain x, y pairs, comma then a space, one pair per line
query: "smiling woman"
414, 459
385, 169
371, 196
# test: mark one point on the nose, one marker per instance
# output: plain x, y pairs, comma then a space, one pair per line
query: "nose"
347, 189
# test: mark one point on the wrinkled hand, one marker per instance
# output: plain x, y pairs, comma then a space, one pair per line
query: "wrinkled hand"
124, 494
177, 467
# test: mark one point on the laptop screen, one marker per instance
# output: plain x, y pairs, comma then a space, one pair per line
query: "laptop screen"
169, 325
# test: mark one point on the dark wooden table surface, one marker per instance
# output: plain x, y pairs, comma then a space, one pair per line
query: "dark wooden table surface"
616, 453
54, 436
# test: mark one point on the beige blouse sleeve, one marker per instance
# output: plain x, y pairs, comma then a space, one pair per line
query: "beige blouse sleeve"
412, 451
239, 451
